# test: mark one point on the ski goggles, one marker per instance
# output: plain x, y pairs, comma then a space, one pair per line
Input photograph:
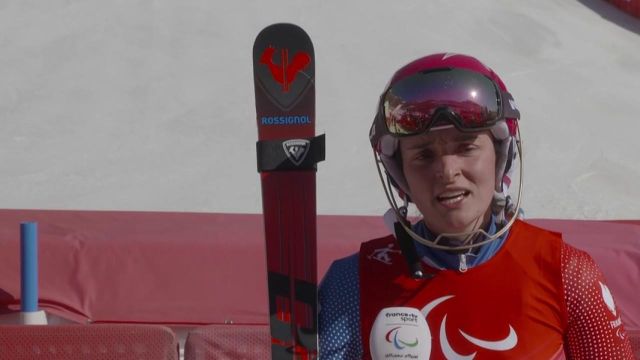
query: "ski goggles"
467, 99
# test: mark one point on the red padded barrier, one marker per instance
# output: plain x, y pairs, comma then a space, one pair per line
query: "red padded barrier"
154, 267
193, 268
81, 342
228, 342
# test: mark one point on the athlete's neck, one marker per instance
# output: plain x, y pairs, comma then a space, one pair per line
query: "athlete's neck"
467, 238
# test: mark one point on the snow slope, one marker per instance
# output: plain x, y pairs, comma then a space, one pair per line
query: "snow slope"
148, 105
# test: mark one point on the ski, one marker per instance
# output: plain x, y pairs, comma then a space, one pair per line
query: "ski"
287, 152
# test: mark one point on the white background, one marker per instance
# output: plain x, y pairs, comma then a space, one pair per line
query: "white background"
149, 105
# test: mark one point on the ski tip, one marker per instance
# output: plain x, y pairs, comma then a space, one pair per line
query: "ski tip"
283, 26
279, 29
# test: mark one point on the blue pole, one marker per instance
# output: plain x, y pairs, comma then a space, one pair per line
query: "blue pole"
29, 266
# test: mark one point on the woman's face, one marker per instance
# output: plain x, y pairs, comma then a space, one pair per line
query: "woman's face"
451, 177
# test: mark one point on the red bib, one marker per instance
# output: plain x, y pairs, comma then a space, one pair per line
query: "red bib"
510, 307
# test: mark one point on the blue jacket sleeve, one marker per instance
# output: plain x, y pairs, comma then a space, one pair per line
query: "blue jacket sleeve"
339, 317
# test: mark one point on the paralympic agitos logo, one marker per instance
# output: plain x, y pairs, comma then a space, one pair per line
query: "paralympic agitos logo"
393, 338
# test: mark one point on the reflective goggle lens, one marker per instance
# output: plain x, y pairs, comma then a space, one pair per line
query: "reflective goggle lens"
470, 100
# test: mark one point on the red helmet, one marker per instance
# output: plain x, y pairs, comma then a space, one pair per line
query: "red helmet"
444, 88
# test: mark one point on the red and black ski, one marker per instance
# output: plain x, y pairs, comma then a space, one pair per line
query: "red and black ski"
288, 151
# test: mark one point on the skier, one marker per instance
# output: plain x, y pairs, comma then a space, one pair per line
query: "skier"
491, 286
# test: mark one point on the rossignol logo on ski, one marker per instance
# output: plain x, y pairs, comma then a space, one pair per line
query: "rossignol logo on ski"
285, 120
286, 71
296, 150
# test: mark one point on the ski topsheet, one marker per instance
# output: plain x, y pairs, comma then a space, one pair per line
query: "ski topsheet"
287, 151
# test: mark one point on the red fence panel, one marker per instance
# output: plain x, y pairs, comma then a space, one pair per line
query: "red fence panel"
228, 342
96, 342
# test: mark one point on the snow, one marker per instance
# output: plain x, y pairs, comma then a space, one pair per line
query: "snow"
148, 105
